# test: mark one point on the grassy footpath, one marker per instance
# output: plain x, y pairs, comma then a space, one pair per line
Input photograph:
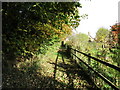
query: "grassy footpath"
43, 72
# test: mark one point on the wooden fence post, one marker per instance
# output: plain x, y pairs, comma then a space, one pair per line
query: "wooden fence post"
68, 51
89, 63
75, 56
62, 43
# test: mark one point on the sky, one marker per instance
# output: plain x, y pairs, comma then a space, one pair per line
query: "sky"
101, 13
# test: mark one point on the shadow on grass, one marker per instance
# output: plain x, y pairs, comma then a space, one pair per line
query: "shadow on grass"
72, 70
28, 78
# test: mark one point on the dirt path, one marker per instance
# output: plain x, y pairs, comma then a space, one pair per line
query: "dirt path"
48, 71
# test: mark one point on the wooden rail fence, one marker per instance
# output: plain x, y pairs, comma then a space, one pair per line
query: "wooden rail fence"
72, 52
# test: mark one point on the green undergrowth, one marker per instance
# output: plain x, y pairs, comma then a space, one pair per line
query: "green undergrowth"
36, 72
45, 71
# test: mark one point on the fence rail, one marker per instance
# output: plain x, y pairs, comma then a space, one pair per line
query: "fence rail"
90, 68
103, 62
100, 75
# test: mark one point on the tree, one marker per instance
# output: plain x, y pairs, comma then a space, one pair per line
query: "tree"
29, 27
79, 41
102, 34
115, 32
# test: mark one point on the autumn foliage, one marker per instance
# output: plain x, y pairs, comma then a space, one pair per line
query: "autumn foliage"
28, 28
116, 32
